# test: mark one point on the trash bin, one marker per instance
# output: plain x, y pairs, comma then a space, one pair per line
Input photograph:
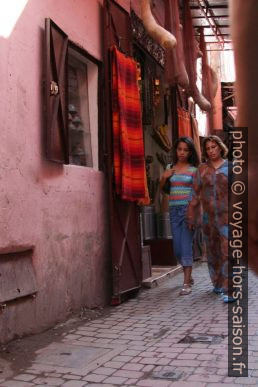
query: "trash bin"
163, 226
148, 222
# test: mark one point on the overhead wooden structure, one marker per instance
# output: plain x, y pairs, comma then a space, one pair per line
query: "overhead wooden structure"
213, 17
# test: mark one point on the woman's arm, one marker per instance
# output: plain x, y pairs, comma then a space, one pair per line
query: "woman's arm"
165, 175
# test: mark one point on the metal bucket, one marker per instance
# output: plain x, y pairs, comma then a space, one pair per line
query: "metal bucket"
148, 222
163, 226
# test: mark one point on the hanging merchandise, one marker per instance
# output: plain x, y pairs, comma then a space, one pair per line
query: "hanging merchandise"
196, 139
217, 110
158, 33
184, 123
175, 71
163, 159
128, 147
160, 135
146, 88
195, 128
191, 53
210, 86
156, 92
209, 77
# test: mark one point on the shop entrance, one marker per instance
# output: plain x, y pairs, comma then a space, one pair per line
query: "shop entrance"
124, 215
140, 235
158, 118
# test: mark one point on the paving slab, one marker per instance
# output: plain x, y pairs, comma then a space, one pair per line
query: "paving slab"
156, 339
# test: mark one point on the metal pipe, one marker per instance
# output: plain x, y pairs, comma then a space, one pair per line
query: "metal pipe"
224, 49
211, 17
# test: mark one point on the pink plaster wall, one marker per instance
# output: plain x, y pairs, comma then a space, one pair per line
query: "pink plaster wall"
60, 210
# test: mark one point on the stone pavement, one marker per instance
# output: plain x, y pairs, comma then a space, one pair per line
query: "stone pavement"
138, 343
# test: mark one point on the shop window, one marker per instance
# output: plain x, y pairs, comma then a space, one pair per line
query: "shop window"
71, 101
79, 134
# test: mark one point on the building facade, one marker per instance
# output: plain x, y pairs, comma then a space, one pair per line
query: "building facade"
54, 240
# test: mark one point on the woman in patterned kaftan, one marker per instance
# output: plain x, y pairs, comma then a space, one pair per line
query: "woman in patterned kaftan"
211, 191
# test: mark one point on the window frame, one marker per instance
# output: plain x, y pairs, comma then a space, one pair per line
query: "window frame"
56, 136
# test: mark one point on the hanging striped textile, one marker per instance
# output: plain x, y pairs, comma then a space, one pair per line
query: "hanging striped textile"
128, 145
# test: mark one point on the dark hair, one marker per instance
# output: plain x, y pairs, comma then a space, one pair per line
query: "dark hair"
193, 157
218, 141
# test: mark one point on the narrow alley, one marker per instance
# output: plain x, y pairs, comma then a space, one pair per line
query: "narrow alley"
142, 342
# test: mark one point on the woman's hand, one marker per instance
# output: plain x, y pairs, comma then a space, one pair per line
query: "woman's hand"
168, 173
190, 222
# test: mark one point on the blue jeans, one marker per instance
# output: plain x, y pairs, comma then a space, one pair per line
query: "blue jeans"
182, 236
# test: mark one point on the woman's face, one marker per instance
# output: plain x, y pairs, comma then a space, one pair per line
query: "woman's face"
182, 152
213, 150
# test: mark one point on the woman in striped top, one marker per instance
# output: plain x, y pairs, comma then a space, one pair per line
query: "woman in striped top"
181, 175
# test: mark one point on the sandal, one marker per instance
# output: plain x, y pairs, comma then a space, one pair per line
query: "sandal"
217, 290
228, 299
186, 289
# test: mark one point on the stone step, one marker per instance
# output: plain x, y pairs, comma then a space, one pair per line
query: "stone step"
161, 274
